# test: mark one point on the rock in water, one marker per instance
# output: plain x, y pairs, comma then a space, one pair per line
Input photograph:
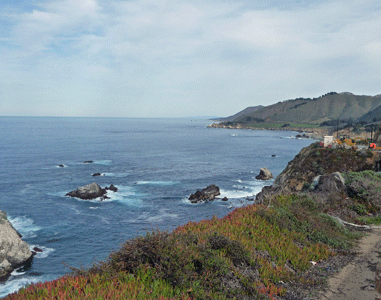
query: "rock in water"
14, 252
111, 188
87, 192
264, 174
209, 193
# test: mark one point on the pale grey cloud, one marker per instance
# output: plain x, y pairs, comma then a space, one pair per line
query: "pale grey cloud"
179, 58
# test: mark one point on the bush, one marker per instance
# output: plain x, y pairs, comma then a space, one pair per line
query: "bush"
365, 186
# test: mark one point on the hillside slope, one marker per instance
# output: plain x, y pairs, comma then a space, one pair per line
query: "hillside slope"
330, 106
372, 116
245, 112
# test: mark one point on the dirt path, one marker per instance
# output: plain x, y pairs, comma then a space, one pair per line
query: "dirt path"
356, 280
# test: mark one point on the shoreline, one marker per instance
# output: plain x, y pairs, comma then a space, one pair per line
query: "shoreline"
314, 132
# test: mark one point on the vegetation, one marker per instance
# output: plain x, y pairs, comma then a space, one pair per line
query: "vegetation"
246, 254
333, 109
365, 186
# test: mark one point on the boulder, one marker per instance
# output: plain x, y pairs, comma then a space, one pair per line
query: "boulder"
61, 166
88, 162
14, 252
87, 192
208, 193
330, 183
111, 188
97, 174
264, 174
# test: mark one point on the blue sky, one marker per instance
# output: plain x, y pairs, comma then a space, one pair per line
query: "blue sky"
155, 58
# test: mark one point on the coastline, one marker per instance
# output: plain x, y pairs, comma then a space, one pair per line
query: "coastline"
313, 132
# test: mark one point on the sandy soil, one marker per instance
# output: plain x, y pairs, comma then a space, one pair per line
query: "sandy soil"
356, 281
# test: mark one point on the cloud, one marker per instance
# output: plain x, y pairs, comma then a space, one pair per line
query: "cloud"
178, 58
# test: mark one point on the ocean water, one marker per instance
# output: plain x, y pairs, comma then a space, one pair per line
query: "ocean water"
155, 163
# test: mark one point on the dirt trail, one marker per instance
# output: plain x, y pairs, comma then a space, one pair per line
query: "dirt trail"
356, 280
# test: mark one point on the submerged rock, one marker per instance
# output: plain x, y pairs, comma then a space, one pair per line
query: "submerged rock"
88, 162
87, 192
208, 193
264, 174
14, 252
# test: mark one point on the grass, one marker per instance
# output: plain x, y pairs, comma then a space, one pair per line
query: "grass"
245, 254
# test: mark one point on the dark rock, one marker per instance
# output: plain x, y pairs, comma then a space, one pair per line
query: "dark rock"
111, 188
273, 155
88, 162
97, 174
61, 166
302, 136
36, 249
87, 192
225, 199
209, 193
264, 174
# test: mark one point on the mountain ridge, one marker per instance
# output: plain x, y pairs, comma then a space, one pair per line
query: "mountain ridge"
328, 107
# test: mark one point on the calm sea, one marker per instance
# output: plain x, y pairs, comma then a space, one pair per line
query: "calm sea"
155, 163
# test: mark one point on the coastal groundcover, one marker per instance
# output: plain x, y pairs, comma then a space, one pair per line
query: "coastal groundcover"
252, 253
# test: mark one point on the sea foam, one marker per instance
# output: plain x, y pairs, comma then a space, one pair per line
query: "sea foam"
25, 226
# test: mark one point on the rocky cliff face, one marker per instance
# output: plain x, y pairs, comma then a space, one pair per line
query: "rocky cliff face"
313, 161
14, 252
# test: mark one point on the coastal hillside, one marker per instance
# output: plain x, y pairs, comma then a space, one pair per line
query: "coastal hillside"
331, 106
372, 116
245, 112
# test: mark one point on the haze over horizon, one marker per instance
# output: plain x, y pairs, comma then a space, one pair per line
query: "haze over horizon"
115, 58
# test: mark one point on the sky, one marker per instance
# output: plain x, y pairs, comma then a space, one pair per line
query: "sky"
155, 58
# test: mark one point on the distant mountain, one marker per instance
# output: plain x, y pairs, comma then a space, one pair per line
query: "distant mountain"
328, 107
372, 116
246, 111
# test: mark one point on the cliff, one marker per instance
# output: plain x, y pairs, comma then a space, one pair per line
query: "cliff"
313, 161
14, 252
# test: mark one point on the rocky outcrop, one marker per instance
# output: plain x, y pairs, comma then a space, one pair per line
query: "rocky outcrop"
87, 192
264, 174
209, 193
92, 191
14, 252
313, 161
329, 183
111, 188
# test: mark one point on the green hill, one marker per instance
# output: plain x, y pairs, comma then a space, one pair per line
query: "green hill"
328, 107
372, 116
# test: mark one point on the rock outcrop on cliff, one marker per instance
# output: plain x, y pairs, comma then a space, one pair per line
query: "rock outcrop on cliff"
14, 252
313, 161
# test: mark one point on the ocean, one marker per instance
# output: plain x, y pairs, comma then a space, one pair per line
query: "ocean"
155, 164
